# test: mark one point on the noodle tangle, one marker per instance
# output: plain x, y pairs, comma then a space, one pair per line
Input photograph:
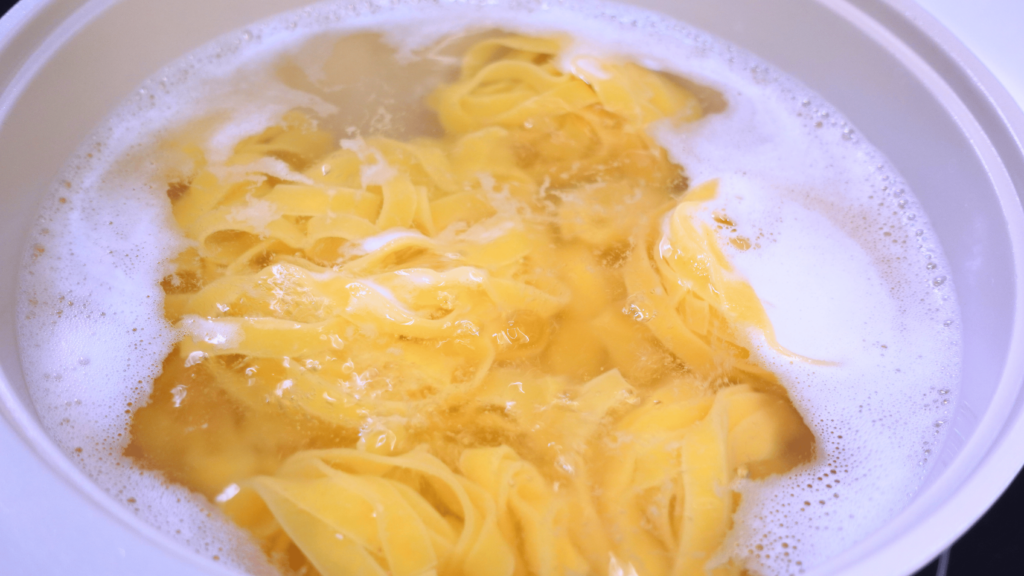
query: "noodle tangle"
511, 350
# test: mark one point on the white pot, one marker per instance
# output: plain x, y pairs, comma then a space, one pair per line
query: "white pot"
907, 84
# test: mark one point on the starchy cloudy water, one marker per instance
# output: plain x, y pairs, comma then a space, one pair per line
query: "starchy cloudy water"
817, 221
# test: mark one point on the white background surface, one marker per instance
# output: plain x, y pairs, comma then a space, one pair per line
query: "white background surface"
993, 29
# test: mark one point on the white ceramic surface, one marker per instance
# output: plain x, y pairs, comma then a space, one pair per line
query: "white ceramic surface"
54, 522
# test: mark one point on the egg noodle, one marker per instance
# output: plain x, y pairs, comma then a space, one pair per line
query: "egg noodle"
511, 350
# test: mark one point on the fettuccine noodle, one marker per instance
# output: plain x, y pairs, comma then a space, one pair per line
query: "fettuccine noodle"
513, 350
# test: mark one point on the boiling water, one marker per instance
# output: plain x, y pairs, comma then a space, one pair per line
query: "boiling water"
842, 257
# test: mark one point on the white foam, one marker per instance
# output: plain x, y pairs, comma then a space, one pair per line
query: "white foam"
374, 170
256, 212
843, 259
264, 166
378, 241
220, 333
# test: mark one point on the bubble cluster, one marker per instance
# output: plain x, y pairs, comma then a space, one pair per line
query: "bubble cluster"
819, 223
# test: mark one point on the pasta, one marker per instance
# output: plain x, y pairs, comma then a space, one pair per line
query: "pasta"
512, 350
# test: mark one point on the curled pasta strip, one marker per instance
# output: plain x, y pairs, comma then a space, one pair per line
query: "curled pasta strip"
676, 459
677, 267
377, 519
525, 82
529, 511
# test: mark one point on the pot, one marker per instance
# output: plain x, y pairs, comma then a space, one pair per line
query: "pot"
907, 84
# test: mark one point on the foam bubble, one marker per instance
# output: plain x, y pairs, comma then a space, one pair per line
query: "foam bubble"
819, 223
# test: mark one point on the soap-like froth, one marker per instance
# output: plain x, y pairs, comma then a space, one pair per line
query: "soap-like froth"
822, 227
